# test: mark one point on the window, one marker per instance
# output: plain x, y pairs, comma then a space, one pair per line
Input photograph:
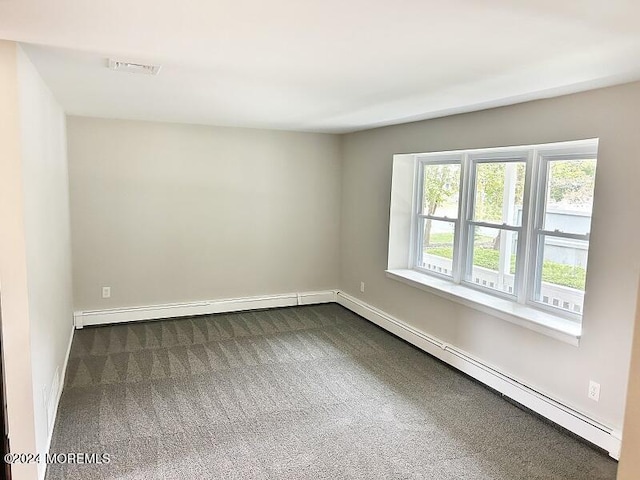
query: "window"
513, 222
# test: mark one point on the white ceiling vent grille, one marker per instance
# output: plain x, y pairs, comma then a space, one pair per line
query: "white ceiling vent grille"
132, 67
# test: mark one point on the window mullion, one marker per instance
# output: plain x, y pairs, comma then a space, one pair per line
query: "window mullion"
461, 253
420, 190
420, 242
534, 259
529, 197
417, 221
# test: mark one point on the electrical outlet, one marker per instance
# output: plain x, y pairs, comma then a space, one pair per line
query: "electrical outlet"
362, 287
106, 292
594, 391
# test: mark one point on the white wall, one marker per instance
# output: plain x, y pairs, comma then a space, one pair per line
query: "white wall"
35, 251
48, 242
13, 270
167, 213
559, 369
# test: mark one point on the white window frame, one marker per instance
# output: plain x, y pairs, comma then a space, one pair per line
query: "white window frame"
418, 224
529, 253
536, 255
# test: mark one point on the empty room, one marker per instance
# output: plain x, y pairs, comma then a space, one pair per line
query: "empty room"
319, 240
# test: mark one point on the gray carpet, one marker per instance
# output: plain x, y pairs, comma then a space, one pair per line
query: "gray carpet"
307, 392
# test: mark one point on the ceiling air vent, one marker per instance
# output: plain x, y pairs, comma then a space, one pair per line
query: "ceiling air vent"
132, 67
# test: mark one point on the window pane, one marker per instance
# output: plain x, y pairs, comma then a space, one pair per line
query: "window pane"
499, 191
569, 196
441, 190
564, 271
437, 246
493, 261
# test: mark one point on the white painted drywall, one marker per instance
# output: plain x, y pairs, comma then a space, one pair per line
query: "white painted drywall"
561, 370
48, 239
13, 270
167, 213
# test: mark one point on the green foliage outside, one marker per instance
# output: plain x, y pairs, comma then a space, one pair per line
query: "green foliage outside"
490, 178
572, 181
552, 272
567, 275
441, 238
441, 185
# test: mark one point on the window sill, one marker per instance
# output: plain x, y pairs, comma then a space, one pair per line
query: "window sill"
542, 322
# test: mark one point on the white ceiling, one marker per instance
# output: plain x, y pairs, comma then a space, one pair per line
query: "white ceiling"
323, 65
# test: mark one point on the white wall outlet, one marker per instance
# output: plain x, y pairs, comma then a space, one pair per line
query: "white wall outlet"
106, 292
362, 287
594, 391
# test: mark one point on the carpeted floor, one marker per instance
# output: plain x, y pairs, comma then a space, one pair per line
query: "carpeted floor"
307, 392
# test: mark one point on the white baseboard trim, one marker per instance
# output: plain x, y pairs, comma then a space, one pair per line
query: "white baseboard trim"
58, 394
563, 415
206, 307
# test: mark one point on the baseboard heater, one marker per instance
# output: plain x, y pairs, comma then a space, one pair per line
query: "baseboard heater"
170, 310
563, 415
